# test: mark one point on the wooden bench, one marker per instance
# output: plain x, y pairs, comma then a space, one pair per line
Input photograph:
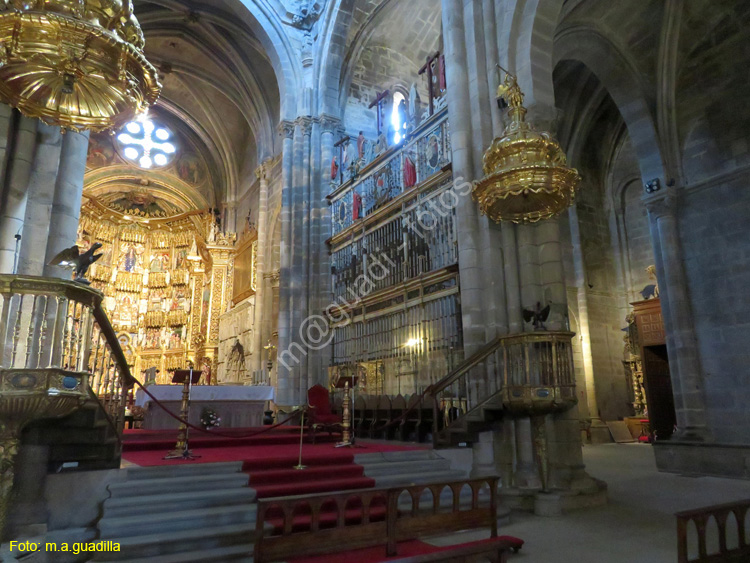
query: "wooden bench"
713, 518
331, 522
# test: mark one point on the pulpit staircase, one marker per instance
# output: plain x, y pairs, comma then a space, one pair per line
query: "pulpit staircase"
91, 437
64, 379
527, 374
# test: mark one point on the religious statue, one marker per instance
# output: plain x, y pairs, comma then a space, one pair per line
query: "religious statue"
361, 145
415, 106
651, 291
403, 116
382, 145
334, 168
345, 156
410, 173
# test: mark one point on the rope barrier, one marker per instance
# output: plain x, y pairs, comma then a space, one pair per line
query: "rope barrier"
212, 432
398, 420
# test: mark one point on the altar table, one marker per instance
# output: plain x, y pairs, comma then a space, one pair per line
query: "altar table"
237, 406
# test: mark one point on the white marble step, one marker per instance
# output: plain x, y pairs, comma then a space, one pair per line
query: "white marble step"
403, 455
419, 478
143, 487
126, 506
183, 520
173, 471
411, 466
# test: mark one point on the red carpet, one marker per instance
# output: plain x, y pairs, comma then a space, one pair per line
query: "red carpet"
269, 458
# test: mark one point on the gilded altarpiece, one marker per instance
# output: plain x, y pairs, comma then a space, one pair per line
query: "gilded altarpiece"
165, 284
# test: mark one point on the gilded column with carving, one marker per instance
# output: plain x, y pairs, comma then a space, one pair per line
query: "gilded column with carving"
221, 248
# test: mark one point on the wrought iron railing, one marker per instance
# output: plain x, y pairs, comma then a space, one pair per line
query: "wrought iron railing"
524, 374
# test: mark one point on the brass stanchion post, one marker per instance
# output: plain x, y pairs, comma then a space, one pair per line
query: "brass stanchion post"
299, 465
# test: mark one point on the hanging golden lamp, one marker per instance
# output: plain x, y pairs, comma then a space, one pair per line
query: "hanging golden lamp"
526, 178
77, 64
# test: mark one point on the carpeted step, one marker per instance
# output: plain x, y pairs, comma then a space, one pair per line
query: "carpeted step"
143, 487
197, 519
304, 487
125, 506
235, 554
166, 440
312, 473
317, 458
192, 470
139, 548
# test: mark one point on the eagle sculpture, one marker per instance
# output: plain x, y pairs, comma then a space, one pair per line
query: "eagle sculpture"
538, 317
80, 263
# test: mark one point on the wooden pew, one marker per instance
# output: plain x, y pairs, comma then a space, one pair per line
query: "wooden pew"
708, 519
331, 522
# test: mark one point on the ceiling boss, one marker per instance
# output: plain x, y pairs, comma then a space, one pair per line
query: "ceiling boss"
78, 64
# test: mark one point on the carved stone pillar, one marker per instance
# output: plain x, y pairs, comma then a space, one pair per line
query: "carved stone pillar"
41, 190
285, 395
66, 205
21, 143
684, 360
262, 172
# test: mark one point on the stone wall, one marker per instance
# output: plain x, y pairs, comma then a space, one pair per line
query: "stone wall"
714, 235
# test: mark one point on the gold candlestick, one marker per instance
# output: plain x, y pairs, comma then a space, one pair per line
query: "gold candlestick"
346, 434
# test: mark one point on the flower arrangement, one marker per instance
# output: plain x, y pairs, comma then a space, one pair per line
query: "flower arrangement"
210, 419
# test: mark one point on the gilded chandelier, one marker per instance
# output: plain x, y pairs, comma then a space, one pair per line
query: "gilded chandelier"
526, 177
77, 64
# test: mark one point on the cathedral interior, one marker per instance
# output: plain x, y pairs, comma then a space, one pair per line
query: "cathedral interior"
482, 230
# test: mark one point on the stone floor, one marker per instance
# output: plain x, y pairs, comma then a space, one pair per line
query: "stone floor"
636, 526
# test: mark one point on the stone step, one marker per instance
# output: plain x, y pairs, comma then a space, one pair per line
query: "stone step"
182, 542
235, 553
197, 519
405, 455
411, 466
125, 506
172, 471
418, 478
144, 487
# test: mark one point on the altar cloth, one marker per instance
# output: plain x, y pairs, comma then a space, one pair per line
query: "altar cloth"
202, 393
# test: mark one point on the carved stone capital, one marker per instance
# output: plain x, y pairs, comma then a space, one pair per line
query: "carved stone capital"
286, 129
329, 123
661, 204
305, 124
264, 169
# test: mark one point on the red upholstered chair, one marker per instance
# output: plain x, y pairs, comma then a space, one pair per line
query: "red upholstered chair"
319, 414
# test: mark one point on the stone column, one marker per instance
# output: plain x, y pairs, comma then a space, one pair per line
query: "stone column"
590, 409
7, 133
15, 185
284, 396
467, 213
66, 205
262, 172
322, 261
305, 270
41, 190
685, 365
